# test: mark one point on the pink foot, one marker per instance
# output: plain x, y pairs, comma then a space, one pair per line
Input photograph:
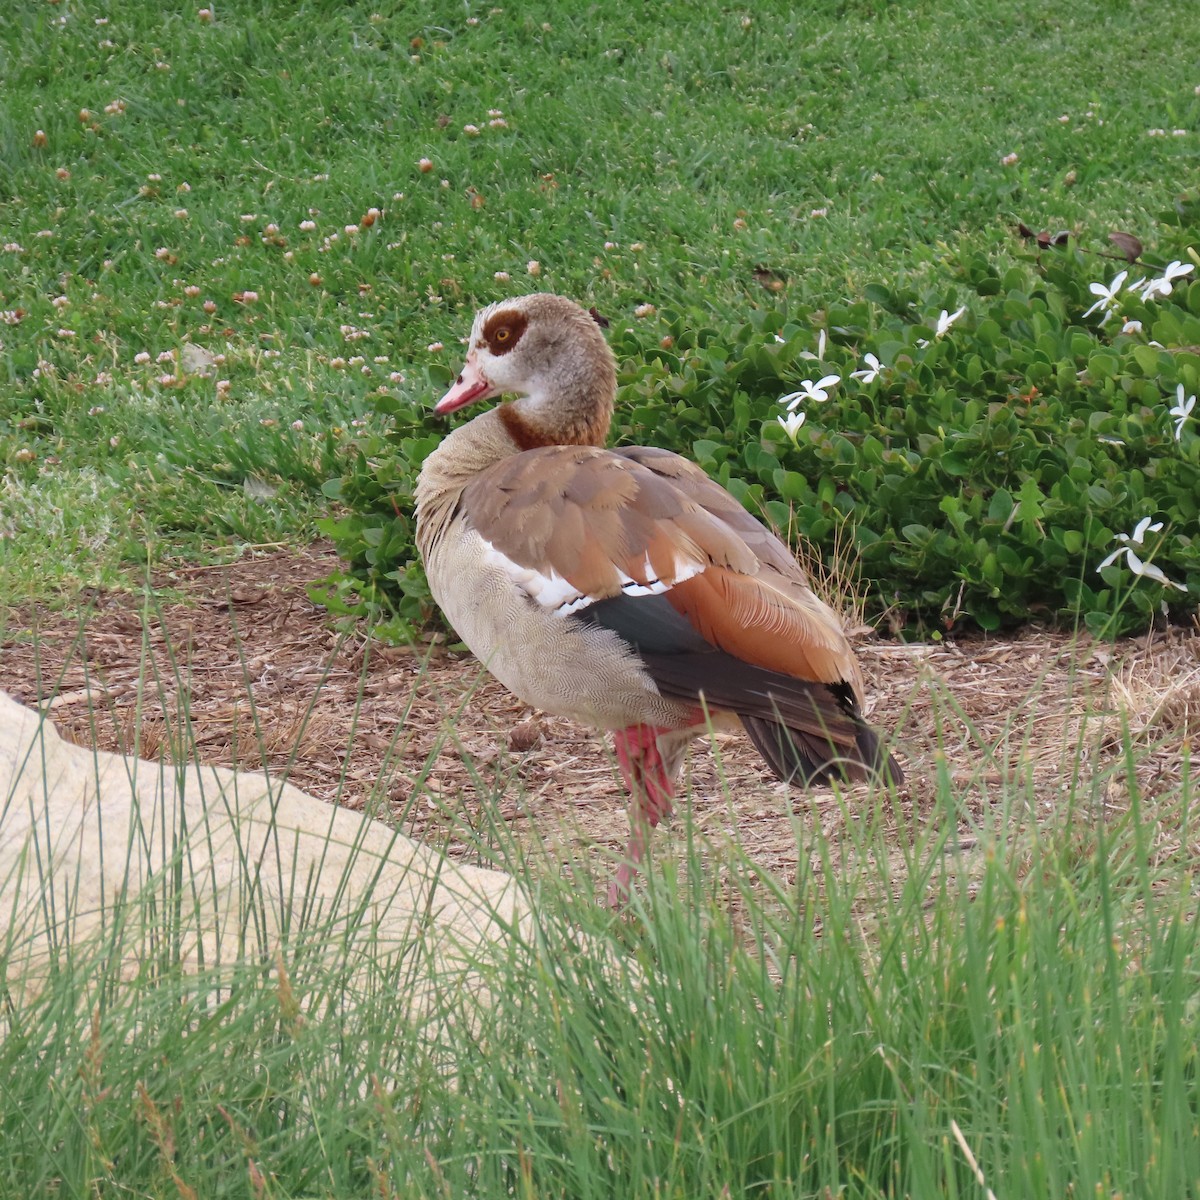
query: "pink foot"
651, 793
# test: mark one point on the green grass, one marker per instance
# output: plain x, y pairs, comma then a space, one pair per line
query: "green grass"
705, 136
840, 1032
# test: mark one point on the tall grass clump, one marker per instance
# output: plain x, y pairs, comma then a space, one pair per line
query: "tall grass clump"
931, 1003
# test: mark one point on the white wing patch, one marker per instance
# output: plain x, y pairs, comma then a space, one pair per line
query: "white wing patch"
562, 598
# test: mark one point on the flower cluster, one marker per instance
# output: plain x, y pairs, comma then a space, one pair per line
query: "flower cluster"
818, 391
1152, 288
1133, 561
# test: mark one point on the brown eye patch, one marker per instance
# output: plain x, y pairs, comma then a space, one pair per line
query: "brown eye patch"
503, 330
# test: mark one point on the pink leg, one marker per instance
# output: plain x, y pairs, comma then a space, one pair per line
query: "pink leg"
651, 792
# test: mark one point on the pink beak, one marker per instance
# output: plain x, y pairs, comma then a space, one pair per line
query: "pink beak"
471, 385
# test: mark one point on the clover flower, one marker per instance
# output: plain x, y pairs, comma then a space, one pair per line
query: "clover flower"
1108, 296
818, 391
1182, 410
1133, 562
870, 372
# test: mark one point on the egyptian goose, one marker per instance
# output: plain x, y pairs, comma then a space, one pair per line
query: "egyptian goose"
623, 588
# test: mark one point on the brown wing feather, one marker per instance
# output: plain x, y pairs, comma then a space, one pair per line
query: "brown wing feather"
689, 479
770, 617
763, 621
588, 514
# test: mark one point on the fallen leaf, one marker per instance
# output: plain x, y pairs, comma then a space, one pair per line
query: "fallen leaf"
259, 489
197, 360
525, 735
1128, 245
770, 279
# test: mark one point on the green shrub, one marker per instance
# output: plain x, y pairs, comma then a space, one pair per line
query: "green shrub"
983, 475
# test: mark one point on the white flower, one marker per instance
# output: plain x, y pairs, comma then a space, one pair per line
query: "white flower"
1108, 296
1132, 327
1135, 564
810, 391
946, 320
1162, 286
870, 372
791, 423
1182, 410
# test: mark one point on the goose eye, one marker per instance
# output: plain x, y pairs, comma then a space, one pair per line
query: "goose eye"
503, 331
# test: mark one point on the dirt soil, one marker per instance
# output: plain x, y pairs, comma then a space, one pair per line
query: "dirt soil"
236, 666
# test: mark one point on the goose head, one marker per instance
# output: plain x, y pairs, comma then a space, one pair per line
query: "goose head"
551, 355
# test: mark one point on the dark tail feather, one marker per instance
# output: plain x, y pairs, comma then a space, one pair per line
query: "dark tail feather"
797, 756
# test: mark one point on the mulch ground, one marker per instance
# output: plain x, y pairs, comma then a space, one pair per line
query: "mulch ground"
235, 665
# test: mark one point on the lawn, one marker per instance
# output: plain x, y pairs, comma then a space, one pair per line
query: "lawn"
218, 245
229, 237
